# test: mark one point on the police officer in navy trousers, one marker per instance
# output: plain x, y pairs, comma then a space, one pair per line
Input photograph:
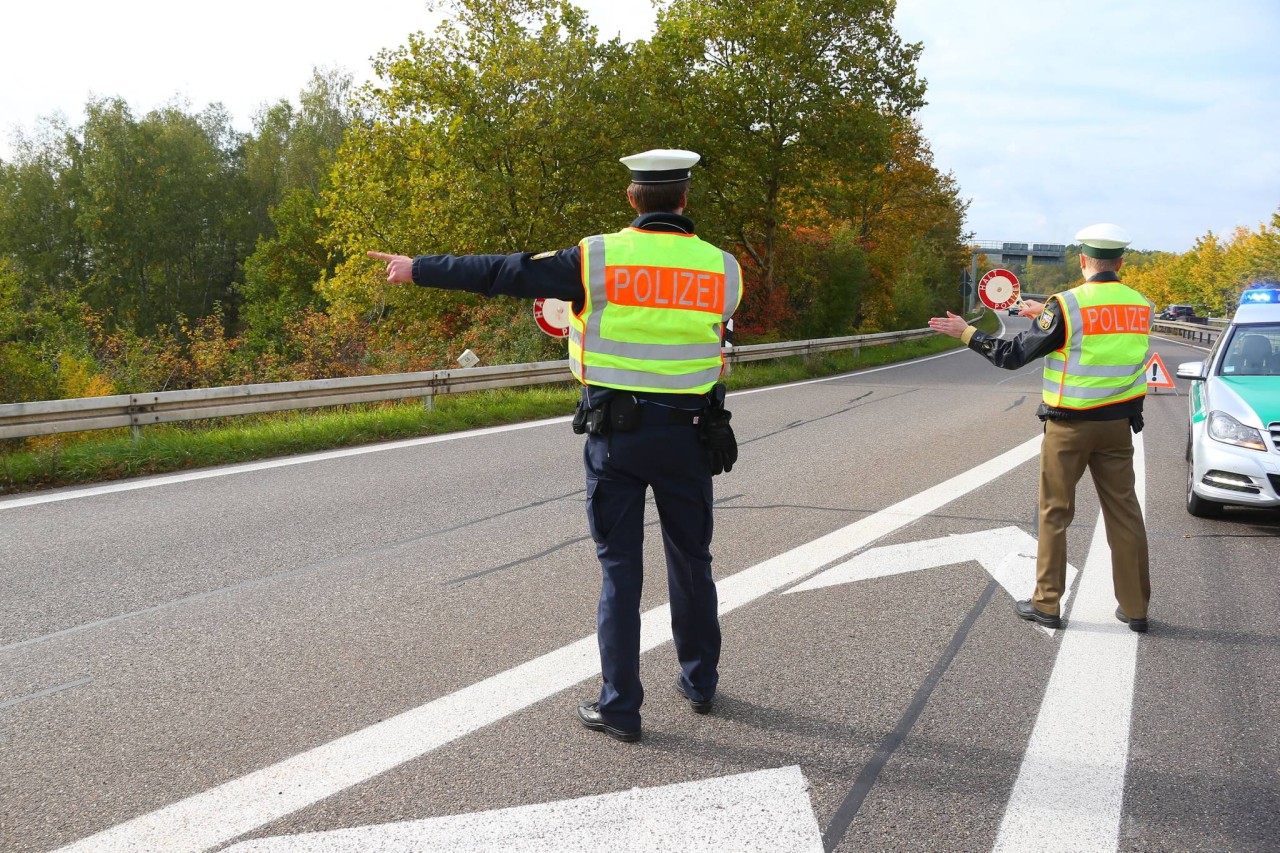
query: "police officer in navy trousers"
1095, 339
649, 306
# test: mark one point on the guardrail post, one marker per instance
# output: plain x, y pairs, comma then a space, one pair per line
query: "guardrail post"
429, 401
136, 408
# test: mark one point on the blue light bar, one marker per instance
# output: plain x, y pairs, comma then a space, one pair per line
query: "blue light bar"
1260, 295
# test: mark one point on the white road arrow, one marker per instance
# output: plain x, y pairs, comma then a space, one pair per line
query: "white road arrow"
1007, 553
766, 810
242, 805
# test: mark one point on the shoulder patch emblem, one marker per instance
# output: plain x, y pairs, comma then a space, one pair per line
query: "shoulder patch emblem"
543, 256
1046, 319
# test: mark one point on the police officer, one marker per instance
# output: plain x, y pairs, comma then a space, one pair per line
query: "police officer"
1094, 339
649, 306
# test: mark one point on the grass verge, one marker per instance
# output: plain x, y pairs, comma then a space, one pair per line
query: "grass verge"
112, 455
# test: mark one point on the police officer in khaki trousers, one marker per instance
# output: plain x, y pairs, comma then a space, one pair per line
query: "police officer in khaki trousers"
1095, 342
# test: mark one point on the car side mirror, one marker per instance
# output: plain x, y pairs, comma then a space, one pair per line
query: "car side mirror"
1191, 370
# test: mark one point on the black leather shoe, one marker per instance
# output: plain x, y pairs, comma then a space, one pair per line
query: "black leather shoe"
1027, 611
589, 716
1139, 625
699, 706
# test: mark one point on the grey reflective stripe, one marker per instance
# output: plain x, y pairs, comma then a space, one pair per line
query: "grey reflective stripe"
1081, 392
617, 377
1102, 371
575, 339
732, 285
656, 352
597, 296
1076, 317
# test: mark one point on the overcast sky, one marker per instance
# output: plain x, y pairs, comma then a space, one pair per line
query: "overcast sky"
1159, 115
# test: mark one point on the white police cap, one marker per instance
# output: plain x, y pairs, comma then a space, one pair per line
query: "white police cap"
660, 166
1103, 240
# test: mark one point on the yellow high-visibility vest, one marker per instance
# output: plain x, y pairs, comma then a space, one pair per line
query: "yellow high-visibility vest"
1103, 360
655, 304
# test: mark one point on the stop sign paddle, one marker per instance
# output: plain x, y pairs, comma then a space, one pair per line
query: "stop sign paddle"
999, 289
552, 316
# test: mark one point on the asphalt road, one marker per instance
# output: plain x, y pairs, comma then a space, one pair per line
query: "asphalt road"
332, 642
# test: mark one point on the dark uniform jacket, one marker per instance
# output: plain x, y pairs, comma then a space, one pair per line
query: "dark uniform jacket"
526, 275
1046, 335
541, 275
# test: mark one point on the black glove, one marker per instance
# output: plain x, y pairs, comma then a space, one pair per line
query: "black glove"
719, 444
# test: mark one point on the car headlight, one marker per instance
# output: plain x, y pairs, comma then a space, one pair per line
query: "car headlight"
1228, 430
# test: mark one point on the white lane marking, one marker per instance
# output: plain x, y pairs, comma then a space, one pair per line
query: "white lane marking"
258, 798
223, 471
1070, 788
763, 810
1007, 553
40, 694
170, 479
893, 366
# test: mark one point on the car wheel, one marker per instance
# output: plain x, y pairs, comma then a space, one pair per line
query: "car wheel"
1196, 505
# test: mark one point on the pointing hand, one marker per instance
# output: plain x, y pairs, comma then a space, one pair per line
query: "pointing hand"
399, 267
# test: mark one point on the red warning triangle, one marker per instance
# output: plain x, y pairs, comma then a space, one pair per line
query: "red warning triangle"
1157, 374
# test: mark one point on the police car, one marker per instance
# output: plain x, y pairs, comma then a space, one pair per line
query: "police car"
1234, 446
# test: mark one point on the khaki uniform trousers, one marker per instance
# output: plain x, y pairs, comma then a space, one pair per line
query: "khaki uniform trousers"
1106, 449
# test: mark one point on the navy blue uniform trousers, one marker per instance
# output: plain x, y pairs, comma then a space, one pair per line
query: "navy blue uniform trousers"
620, 467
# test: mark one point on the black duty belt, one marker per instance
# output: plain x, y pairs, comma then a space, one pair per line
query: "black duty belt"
656, 414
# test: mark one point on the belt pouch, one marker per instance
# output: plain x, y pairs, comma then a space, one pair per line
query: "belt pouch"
624, 413
580, 418
597, 421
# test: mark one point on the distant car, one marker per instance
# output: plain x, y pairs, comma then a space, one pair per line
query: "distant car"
1182, 314
1014, 311
1233, 445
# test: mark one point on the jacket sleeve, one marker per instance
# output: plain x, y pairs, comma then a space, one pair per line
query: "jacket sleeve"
555, 275
1042, 339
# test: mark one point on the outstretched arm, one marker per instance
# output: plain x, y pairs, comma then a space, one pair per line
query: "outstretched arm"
525, 275
1047, 334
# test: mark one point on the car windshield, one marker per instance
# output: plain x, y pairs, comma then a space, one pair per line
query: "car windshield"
1253, 351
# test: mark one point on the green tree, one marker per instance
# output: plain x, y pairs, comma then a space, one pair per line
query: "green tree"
499, 133
288, 161
161, 211
826, 273
778, 97
38, 193
908, 218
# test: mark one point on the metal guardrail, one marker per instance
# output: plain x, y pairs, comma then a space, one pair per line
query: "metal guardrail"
49, 417
1200, 332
